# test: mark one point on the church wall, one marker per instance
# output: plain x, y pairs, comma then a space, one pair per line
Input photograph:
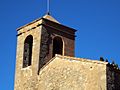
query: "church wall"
26, 78
46, 44
68, 41
64, 73
45, 47
69, 48
113, 78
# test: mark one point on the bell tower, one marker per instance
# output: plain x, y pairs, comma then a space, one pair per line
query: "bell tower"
37, 43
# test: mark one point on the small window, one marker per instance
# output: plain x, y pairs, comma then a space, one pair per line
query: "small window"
27, 55
57, 46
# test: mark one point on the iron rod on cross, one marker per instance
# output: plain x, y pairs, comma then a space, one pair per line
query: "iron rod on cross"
48, 7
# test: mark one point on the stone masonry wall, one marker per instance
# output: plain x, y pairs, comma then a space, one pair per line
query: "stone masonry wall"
65, 73
113, 78
46, 44
44, 48
26, 78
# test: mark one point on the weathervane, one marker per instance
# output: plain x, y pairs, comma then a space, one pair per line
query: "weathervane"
48, 7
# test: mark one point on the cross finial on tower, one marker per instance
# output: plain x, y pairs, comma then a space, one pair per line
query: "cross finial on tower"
48, 7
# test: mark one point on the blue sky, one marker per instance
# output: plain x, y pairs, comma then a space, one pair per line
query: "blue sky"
97, 22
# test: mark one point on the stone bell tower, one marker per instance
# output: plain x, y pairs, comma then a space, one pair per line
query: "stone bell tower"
37, 43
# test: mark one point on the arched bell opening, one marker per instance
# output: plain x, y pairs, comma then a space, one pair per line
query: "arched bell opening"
57, 46
27, 55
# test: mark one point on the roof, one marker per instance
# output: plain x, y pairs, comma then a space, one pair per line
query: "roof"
81, 59
46, 16
75, 59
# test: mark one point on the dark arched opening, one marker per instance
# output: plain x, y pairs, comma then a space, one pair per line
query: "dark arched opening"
57, 46
27, 55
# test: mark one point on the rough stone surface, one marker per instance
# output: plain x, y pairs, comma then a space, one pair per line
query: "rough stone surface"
46, 45
26, 77
65, 73
113, 78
